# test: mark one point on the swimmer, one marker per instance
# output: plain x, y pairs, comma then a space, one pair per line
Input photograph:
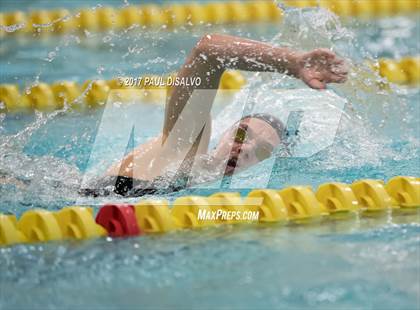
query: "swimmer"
245, 143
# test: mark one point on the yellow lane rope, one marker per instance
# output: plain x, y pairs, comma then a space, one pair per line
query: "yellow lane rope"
61, 21
50, 97
361, 8
402, 71
296, 204
149, 15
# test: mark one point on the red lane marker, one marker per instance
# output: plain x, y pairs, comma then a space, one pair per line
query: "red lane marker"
118, 220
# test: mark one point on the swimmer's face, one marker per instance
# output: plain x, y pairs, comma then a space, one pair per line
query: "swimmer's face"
246, 144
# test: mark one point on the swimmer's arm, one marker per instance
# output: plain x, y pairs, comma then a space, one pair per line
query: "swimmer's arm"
223, 52
214, 54
227, 52
208, 60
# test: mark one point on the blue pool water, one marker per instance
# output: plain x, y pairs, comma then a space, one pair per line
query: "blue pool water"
366, 264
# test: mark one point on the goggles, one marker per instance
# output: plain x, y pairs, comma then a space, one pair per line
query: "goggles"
262, 152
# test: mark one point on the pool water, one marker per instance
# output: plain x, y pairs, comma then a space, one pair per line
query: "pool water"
271, 267
367, 264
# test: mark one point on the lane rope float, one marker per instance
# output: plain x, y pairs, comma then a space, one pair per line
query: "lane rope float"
405, 71
292, 205
50, 97
62, 21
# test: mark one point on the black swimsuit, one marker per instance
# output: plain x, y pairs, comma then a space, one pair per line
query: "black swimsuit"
129, 187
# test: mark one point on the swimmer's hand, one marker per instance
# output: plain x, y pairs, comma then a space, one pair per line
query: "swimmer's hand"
319, 67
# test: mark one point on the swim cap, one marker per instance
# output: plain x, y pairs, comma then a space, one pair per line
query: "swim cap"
273, 121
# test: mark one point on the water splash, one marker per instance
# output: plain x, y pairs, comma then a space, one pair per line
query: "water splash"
33, 181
